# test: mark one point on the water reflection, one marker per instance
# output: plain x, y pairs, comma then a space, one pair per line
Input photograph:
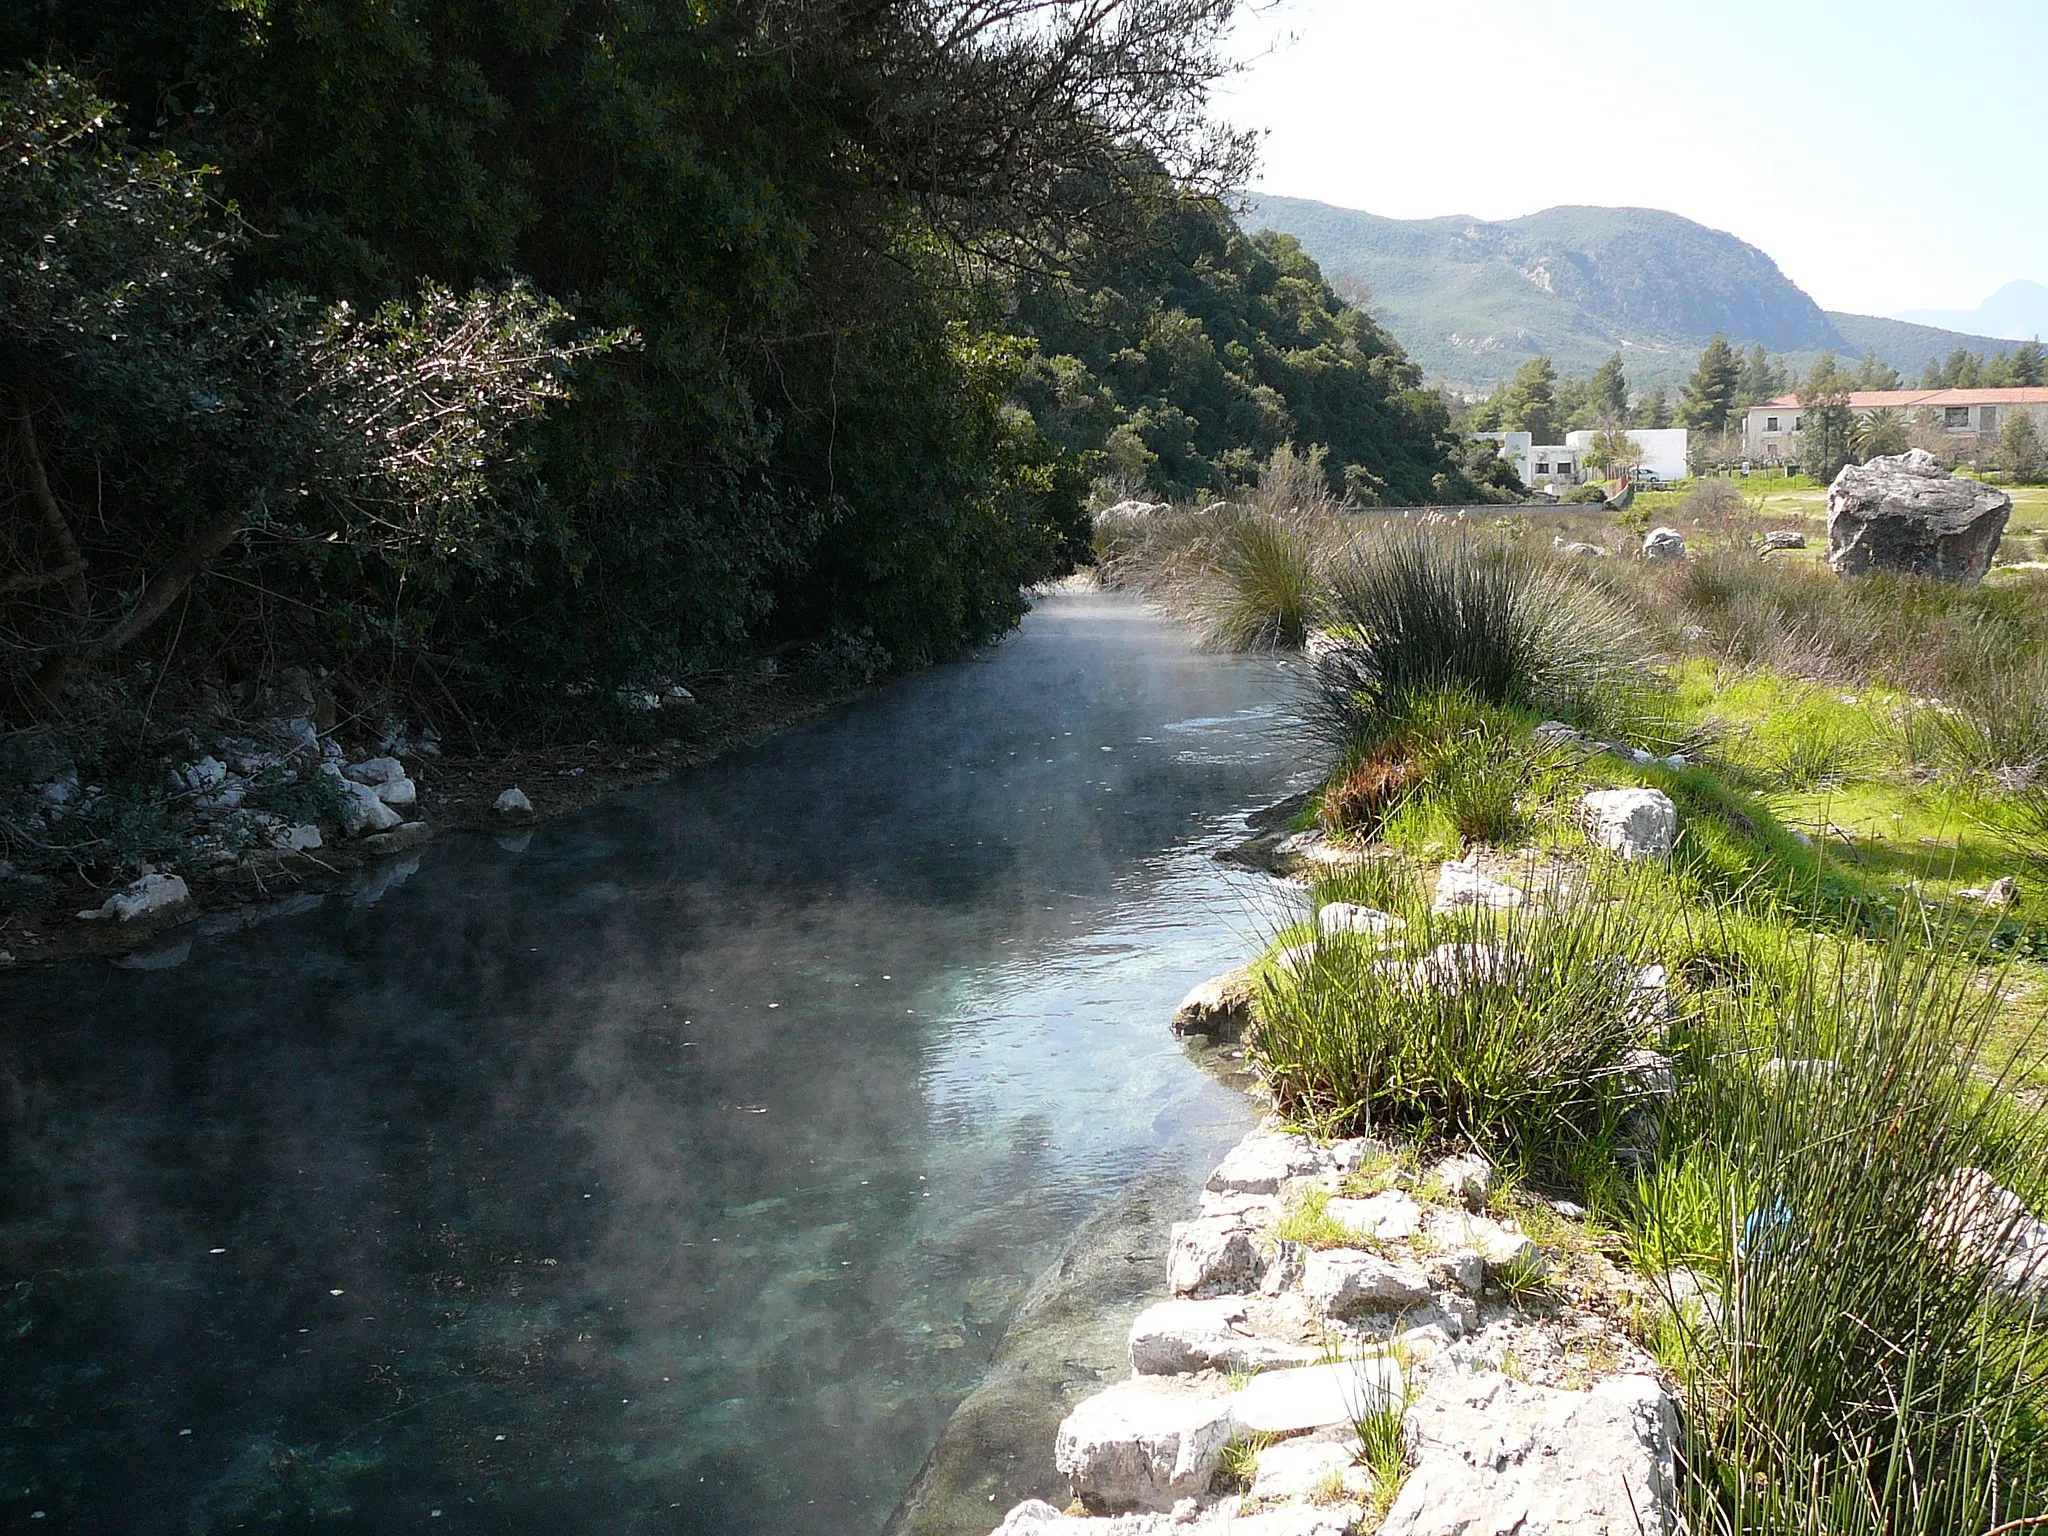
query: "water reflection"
671, 1170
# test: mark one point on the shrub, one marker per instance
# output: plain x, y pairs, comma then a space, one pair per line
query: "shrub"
1264, 591
1414, 614
1995, 723
1511, 1038
1860, 1374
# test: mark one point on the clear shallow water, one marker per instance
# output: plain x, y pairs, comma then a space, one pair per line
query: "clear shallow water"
674, 1171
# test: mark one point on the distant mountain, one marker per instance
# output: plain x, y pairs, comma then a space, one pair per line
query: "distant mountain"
2018, 311
1907, 346
1472, 301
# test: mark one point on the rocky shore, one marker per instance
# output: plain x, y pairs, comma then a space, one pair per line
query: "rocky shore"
1268, 1379
1360, 1335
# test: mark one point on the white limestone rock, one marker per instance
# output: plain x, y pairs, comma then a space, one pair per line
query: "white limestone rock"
1975, 1215
374, 771
1176, 1337
1466, 1177
1496, 1456
398, 792
153, 895
1265, 1160
363, 810
1220, 1007
1387, 1217
1506, 1252
1213, 1256
1346, 1282
1784, 538
1460, 885
512, 802
1140, 1445
1337, 918
1316, 1397
301, 838
1663, 544
1295, 1469
1634, 823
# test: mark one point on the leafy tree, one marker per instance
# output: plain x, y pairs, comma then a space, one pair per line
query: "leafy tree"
809, 211
1613, 452
2019, 442
1828, 438
338, 455
1528, 402
1710, 393
1182, 363
1604, 398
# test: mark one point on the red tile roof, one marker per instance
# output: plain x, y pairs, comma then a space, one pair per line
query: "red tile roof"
1907, 399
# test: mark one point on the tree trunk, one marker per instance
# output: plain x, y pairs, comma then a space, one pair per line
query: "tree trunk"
158, 596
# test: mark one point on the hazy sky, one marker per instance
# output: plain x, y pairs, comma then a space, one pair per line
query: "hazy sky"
1888, 155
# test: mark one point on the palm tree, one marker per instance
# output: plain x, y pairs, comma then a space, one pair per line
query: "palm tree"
1881, 432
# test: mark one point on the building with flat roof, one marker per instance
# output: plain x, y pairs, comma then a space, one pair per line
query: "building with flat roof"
1771, 431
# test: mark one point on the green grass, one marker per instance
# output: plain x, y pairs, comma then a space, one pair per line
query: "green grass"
1511, 1040
1861, 1376
1417, 615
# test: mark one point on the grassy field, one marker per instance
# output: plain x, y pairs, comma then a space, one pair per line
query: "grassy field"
1837, 972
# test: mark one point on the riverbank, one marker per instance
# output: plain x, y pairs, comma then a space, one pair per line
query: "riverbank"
1699, 897
455, 787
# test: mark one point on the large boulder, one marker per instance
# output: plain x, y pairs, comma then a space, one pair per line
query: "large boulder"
1663, 544
1905, 512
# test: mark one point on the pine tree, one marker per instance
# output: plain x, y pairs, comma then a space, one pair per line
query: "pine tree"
1761, 379
1607, 392
1710, 395
1654, 411
1528, 404
2029, 365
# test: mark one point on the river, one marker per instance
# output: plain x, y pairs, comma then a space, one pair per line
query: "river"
672, 1167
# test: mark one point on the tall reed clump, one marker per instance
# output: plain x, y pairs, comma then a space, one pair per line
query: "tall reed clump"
1411, 614
1996, 723
1263, 589
1511, 1032
1863, 1367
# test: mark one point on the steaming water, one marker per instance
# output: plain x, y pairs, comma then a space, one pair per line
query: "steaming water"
673, 1169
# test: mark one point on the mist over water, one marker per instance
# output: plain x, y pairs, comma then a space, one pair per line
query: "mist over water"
674, 1168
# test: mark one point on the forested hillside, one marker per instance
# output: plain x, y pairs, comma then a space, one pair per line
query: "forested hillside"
1180, 364
480, 347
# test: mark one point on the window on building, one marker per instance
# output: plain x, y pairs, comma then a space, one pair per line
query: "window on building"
1955, 416
1542, 467
1987, 418
1770, 423
1798, 423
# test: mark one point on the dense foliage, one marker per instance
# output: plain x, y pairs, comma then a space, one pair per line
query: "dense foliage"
1179, 364
805, 244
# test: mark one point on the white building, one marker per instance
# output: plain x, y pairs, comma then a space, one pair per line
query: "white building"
1664, 450
1771, 431
1536, 464
1563, 464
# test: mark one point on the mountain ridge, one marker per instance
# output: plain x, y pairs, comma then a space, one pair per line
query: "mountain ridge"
1472, 300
